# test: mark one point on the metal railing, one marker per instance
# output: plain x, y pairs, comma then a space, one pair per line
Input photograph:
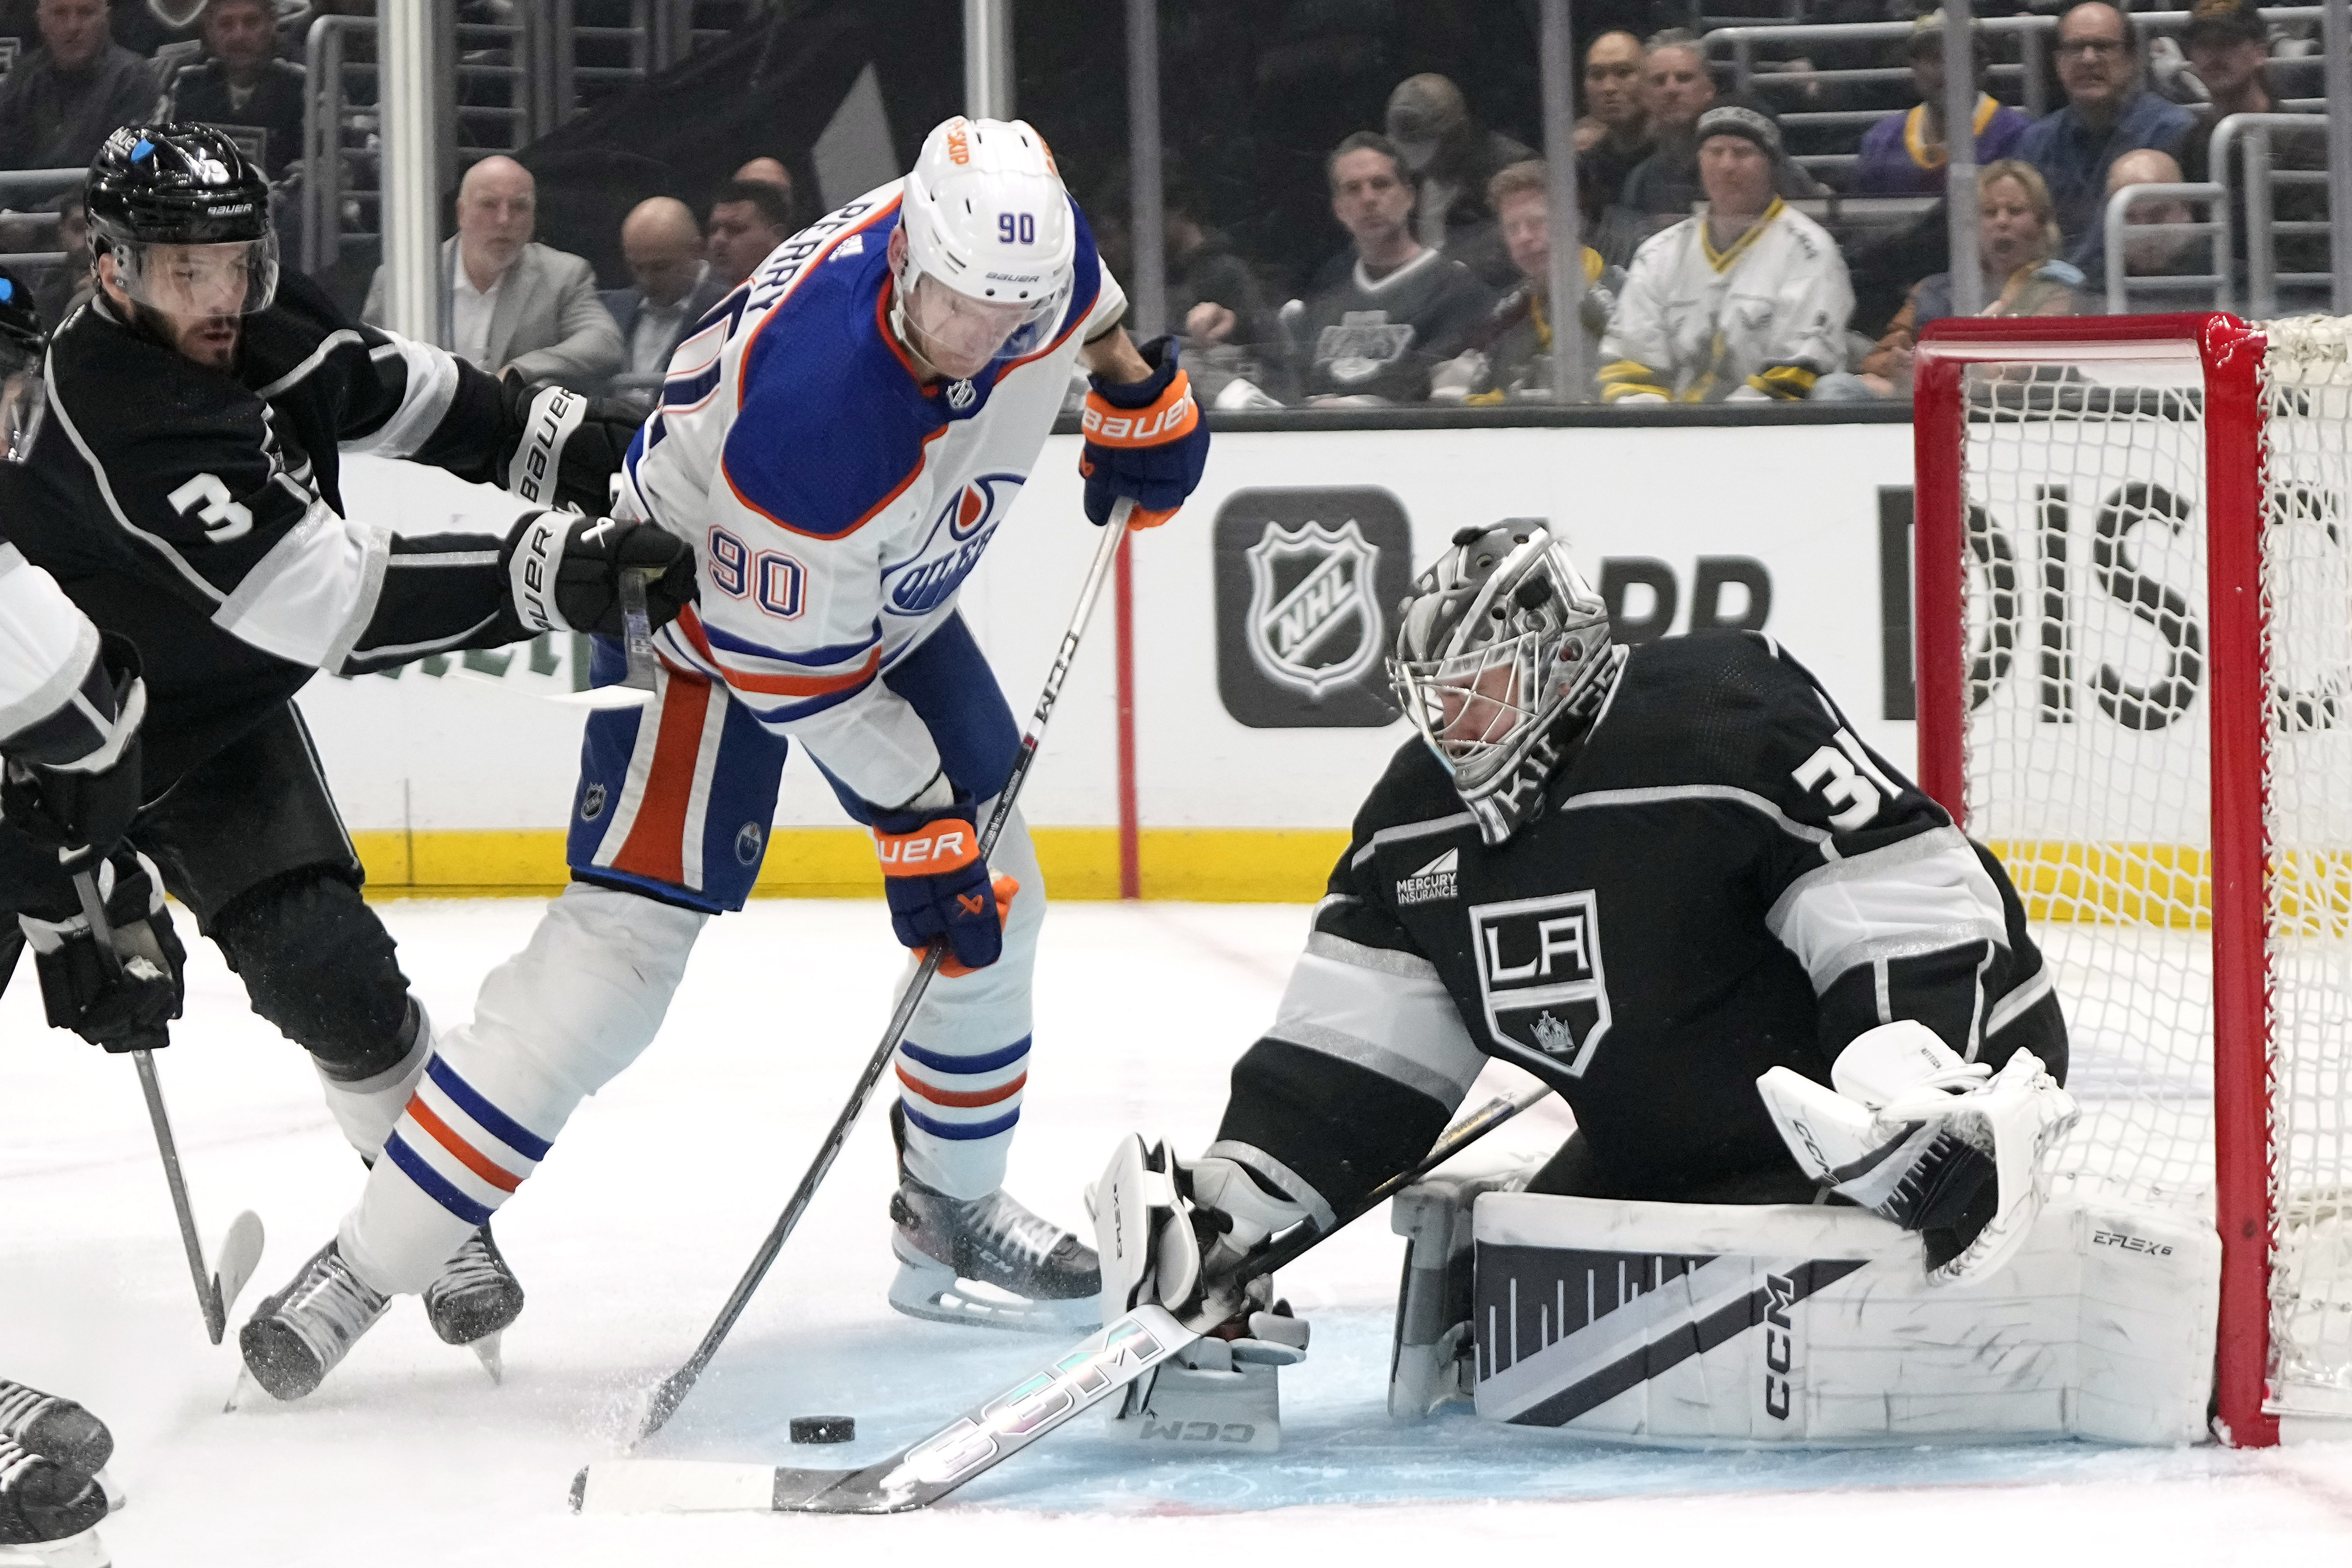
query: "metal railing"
2120, 230
523, 78
2263, 228
38, 185
2024, 81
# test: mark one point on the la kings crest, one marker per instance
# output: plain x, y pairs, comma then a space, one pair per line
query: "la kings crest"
1541, 979
1305, 582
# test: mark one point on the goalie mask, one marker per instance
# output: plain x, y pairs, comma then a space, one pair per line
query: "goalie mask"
23, 346
1501, 648
186, 220
988, 247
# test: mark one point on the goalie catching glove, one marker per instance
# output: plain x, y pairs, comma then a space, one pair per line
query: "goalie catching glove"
563, 572
1934, 1143
1178, 1235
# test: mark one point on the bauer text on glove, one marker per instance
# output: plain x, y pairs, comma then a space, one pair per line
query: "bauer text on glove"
937, 884
1144, 440
564, 572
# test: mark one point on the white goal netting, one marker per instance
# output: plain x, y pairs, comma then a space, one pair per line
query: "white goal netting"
2088, 766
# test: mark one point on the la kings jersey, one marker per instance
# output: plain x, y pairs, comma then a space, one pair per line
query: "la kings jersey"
1380, 336
197, 511
1723, 880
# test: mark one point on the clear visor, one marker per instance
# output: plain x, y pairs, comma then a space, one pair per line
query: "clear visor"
21, 403
962, 335
238, 277
1472, 706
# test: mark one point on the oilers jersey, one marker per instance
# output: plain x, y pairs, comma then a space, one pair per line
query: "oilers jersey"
836, 501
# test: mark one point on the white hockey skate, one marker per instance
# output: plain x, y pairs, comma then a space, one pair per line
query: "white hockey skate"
475, 1299
49, 1515
298, 1335
987, 1261
57, 1429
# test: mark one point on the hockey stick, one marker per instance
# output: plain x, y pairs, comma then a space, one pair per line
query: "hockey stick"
673, 1388
241, 1249
984, 1437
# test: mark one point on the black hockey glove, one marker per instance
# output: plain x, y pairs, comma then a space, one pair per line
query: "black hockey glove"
558, 448
81, 809
118, 1010
564, 572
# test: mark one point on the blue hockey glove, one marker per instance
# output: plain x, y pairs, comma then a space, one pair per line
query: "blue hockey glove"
1145, 441
938, 885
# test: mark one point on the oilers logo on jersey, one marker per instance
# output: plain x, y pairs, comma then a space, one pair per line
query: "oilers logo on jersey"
1541, 977
953, 548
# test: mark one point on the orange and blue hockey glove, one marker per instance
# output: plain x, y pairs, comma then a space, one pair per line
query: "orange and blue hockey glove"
937, 884
1145, 441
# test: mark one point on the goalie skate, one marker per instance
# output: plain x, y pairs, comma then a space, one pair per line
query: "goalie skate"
301, 1333
475, 1299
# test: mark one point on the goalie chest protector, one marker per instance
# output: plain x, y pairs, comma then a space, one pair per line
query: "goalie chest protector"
1621, 946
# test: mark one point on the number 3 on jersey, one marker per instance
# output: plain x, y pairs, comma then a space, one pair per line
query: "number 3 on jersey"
223, 519
777, 582
1847, 777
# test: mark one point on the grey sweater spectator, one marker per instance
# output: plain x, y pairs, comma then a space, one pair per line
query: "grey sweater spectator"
242, 87
513, 304
58, 105
1389, 308
2108, 113
1452, 157
672, 287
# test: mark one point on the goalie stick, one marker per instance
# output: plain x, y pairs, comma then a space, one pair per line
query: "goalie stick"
241, 1249
1094, 1370
673, 1390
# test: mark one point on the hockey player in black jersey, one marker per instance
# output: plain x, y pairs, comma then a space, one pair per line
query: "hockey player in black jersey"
1670, 882
183, 485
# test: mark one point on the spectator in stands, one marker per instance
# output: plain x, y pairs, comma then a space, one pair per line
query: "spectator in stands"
1387, 308
1507, 358
2017, 251
2151, 255
2229, 51
514, 304
748, 218
1452, 157
2108, 113
242, 87
158, 30
69, 282
1904, 155
672, 285
1747, 302
1613, 137
771, 171
60, 103
1213, 297
1665, 186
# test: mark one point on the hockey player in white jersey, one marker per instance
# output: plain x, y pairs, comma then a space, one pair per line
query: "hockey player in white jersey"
840, 438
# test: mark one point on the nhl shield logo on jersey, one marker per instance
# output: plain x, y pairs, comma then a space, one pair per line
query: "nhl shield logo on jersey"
1313, 622
591, 802
1540, 978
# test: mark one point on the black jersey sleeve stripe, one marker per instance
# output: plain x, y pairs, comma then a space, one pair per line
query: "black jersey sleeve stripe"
1915, 896
428, 386
1362, 853
1340, 1128
311, 362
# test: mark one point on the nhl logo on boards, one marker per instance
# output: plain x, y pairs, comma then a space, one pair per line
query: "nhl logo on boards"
1303, 577
1432, 883
1541, 978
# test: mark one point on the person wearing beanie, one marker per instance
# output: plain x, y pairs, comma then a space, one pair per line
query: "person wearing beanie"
1747, 301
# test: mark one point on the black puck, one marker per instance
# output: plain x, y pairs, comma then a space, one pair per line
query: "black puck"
825, 1429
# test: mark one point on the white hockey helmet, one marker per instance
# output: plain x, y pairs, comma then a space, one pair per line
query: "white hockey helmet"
989, 225
1501, 640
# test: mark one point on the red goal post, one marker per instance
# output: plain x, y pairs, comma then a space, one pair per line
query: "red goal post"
2190, 958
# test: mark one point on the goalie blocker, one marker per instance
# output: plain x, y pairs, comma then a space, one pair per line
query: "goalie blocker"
1692, 1324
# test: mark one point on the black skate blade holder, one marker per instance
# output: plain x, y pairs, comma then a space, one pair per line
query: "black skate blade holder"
241, 1249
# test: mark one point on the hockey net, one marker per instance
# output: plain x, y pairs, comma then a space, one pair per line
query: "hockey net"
2134, 556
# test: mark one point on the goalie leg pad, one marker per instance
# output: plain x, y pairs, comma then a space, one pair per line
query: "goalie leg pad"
1695, 1324
1429, 1361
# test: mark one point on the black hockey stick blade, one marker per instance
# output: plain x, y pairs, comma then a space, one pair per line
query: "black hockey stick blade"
981, 1438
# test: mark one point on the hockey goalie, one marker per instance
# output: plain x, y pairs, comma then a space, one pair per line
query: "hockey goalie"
1814, 1058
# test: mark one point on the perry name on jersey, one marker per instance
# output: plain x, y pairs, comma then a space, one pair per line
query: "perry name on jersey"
838, 502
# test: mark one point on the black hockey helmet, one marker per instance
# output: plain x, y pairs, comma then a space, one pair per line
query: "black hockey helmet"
22, 342
184, 186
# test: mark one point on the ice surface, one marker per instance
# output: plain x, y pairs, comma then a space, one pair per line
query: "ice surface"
639, 1224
